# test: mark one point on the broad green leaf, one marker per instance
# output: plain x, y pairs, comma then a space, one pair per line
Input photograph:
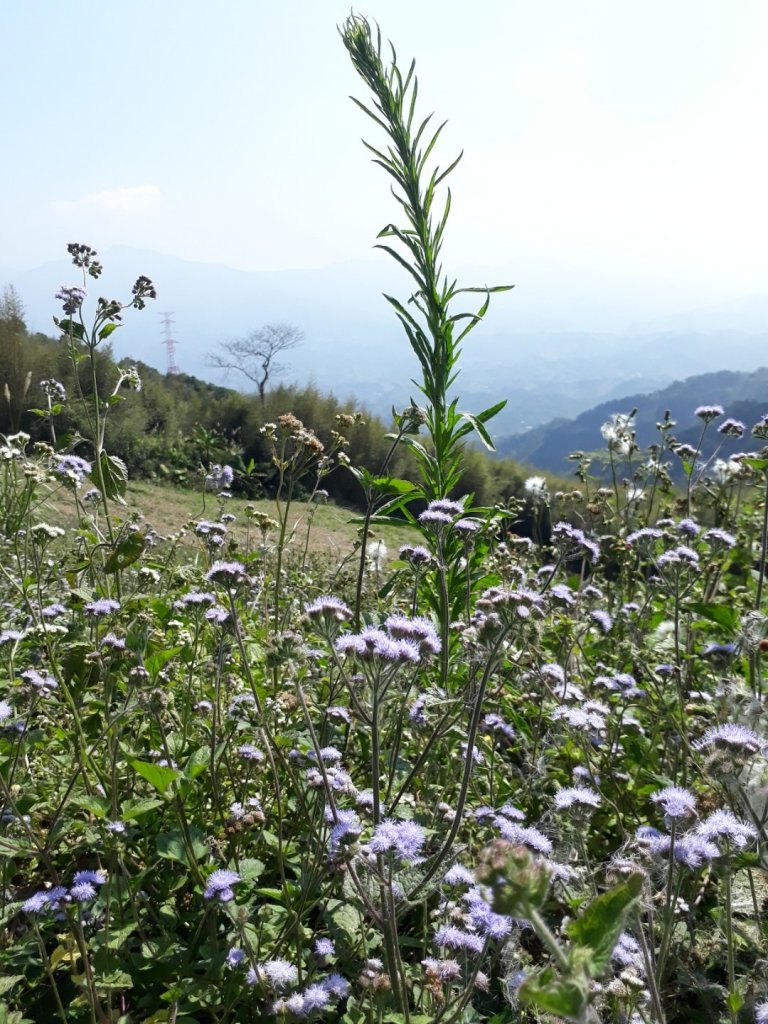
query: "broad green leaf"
596, 930
158, 776
7, 983
106, 330
115, 474
393, 485
566, 997
159, 659
97, 805
126, 552
723, 614
170, 845
198, 762
135, 808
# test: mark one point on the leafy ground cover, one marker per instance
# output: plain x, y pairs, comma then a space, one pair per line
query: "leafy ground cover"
494, 778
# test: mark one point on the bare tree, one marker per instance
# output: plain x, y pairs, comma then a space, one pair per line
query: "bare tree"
256, 355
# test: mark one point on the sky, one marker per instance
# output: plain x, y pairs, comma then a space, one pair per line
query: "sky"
620, 139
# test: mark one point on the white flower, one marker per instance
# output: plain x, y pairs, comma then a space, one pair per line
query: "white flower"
618, 432
536, 489
723, 472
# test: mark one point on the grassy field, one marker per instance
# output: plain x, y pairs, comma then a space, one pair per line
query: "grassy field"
333, 530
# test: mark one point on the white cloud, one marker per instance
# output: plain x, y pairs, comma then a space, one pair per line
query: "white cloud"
124, 199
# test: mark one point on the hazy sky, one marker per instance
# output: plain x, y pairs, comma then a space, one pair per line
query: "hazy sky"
619, 137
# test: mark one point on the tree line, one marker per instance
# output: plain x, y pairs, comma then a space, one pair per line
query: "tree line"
176, 426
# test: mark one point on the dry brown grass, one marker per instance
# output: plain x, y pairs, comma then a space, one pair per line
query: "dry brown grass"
331, 531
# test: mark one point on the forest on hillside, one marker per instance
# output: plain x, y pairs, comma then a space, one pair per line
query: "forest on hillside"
177, 426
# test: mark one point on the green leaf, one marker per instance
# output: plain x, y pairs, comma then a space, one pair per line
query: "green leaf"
106, 330
70, 327
97, 805
474, 423
734, 1001
758, 464
170, 845
126, 552
135, 808
158, 659
115, 475
566, 997
723, 614
250, 869
158, 776
596, 930
198, 762
393, 485
7, 983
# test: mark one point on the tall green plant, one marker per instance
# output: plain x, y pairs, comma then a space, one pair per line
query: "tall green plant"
434, 331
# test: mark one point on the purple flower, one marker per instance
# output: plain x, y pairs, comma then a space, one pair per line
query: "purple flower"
403, 838
566, 536
707, 413
324, 948
761, 1013
220, 477
530, 837
419, 631
647, 533
373, 644
228, 573
71, 299
451, 508
730, 736
220, 884
280, 973
9, 635
52, 610
732, 428
717, 536
487, 922
725, 824
578, 797
346, 826
336, 986
89, 877
6, 711
434, 518
417, 555
328, 609
250, 753
73, 468
627, 953
103, 606
82, 892
113, 642
688, 527
41, 681
235, 957
466, 526
603, 619
195, 599
678, 803
718, 651
459, 875
454, 938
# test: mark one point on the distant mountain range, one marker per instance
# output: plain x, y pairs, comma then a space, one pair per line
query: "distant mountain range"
354, 347
744, 396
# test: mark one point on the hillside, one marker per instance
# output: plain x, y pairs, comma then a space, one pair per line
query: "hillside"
743, 395
554, 346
